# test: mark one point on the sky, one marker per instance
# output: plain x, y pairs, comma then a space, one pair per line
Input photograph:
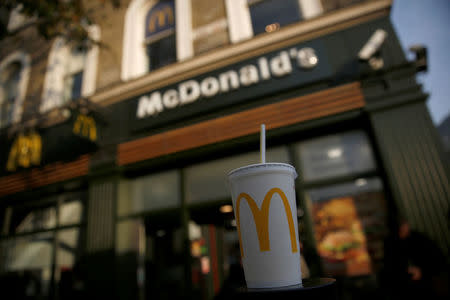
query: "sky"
428, 22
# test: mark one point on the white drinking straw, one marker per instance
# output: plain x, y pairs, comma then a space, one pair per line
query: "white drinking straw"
262, 146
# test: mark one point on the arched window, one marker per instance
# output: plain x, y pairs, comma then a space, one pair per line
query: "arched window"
71, 71
160, 35
14, 73
269, 15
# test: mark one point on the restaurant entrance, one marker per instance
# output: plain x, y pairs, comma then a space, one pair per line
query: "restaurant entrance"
214, 250
163, 257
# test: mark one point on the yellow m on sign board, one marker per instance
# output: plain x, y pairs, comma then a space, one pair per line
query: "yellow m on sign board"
85, 126
261, 217
25, 152
161, 15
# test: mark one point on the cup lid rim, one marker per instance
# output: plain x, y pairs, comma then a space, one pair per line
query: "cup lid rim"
261, 166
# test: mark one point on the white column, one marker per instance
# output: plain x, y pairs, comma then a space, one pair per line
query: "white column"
240, 24
52, 95
91, 64
183, 15
134, 58
310, 8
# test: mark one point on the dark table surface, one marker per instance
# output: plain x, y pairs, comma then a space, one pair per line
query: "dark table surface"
313, 288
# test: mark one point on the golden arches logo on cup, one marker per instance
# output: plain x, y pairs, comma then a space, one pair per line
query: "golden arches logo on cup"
265, 209
261, 218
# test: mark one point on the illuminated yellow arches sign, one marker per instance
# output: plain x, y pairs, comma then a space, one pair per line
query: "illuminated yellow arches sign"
26, 151
85, 126
166, 13
261, 217
159, 19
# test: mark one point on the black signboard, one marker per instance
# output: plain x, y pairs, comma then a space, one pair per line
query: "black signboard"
254, 78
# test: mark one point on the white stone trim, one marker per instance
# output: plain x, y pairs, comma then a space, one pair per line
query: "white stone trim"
25, 62
90, 67
53, 89
134, 59
239, 22
183, 15
310, 8
17, 19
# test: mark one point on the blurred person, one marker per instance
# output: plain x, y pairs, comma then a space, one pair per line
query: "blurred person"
415, 266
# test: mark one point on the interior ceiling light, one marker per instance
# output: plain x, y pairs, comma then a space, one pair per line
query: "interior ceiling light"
272, 27
226, 209
334, 153
360, 182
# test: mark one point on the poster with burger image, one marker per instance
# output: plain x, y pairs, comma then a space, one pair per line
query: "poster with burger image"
340, 238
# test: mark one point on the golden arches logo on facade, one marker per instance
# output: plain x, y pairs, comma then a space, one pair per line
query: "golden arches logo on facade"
26, 151
161, 16
261, 217
85, 126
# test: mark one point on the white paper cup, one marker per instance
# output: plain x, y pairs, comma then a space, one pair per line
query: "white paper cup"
266, 215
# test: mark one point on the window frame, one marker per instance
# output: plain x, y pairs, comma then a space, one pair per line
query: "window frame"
307, 9
25, 62
134, 56
56, 73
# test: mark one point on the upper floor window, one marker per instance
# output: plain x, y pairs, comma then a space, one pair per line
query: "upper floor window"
160, 34
71, 71
270, 15
10, 78
73, 75
14, 72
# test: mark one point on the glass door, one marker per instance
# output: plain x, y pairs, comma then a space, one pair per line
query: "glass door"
215, 253
164, 257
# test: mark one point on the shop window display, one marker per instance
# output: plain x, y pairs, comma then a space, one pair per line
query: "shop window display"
335, 155
346, 202
39, 250
349, 226
149, 193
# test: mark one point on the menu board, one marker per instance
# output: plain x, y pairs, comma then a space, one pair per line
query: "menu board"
341, 241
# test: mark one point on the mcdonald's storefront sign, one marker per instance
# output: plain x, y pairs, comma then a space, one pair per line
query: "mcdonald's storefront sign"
261, 218
246, 80
161, 17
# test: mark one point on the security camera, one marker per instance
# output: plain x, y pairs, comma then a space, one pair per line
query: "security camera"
421, 61
373, 45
